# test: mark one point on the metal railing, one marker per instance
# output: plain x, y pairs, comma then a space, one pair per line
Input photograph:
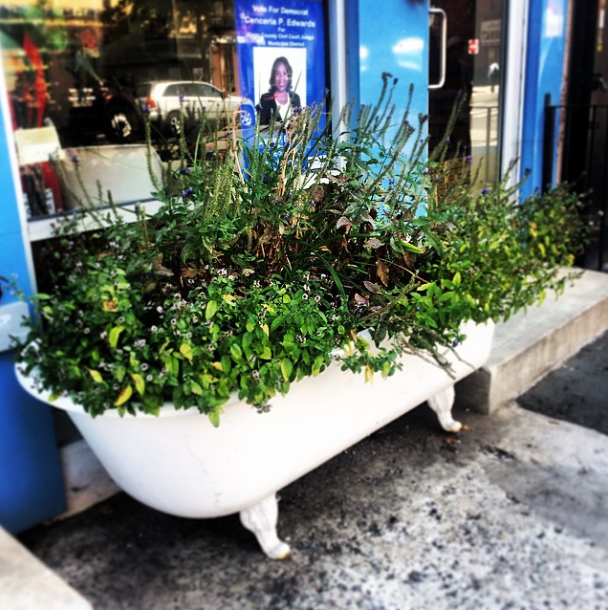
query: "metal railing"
485, 120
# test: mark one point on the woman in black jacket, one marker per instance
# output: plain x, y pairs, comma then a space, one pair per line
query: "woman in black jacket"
280, 100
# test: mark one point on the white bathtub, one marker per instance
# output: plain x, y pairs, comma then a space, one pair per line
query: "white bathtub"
180, 464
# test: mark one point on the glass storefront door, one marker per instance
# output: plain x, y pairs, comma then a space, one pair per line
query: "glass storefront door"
465, 68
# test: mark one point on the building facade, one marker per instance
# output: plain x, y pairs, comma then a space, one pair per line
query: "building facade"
77, 76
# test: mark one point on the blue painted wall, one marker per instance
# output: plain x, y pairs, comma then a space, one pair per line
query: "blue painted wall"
31, 485
544, 75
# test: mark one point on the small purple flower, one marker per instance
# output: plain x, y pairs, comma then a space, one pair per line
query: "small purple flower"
266, 180
485, 191
189, 191
455, 343
277, 201
184, 170
181, 97
469, 159
286, 217
145, 109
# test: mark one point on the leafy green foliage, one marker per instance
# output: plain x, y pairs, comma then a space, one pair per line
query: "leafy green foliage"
270, 258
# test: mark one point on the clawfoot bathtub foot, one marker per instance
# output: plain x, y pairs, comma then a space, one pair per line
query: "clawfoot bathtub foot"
261, 519
442, 403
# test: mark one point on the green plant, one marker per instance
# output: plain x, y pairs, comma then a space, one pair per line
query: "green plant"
269, 258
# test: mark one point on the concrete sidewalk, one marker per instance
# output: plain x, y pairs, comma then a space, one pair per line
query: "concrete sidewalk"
510, 513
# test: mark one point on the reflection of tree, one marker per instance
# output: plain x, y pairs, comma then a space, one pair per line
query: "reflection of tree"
142, 37
154, 19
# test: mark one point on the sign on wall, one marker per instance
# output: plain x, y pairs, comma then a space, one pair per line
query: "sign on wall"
490, 32
275, 37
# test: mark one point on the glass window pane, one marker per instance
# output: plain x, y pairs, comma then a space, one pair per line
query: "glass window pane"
80, 76
473, 80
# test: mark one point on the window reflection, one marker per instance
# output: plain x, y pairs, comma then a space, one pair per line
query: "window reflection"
473, 77
87, 68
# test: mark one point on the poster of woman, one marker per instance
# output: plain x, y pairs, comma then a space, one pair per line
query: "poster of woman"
288, 36
280, 82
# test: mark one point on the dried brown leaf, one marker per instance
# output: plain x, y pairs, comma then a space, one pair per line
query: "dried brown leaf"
383, 272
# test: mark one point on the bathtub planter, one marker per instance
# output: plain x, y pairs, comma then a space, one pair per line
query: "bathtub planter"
178, 463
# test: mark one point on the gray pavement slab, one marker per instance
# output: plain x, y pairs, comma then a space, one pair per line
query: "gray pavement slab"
510, 513
577, 390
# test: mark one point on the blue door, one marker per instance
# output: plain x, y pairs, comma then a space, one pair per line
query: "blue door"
31, 485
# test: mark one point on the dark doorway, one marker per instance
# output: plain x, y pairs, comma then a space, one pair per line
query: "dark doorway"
585, 145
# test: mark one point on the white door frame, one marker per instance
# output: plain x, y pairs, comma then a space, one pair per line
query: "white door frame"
516, 33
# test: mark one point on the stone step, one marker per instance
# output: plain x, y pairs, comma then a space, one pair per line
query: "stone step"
532, 343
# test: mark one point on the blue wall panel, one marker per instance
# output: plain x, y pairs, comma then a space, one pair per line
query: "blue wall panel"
31, 485
544, 75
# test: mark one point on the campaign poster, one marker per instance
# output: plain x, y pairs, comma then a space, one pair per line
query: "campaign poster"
275, 37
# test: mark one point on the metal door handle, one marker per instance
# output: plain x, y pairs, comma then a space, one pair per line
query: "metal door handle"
443, 42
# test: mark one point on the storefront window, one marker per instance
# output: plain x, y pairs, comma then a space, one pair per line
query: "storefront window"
82, 74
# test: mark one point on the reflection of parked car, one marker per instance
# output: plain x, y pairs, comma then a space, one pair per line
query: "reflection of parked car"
165, 100
105, 108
